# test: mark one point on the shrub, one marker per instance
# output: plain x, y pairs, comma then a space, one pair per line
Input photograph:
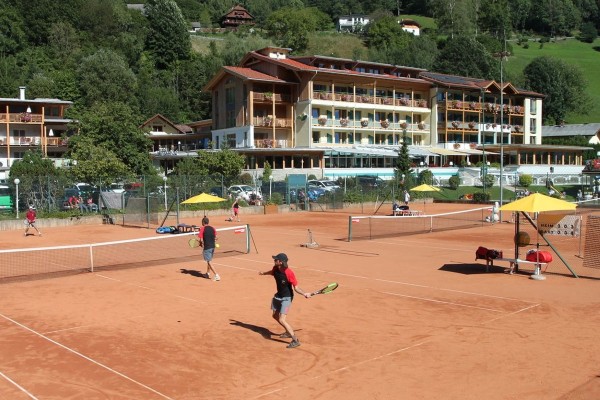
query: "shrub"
246, 179
489, 180
276, 198
588, 33
481, 197
525, 180
312, 177
426, 176
454, 182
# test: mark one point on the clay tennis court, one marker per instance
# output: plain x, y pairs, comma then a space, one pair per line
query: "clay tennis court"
415, 317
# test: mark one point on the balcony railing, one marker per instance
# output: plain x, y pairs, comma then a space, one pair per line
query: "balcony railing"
272, 121
368, 124
367, 99
270, 143
269, 97
25, 118
33, 141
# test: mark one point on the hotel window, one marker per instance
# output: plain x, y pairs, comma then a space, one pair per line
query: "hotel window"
532, 106
157, 128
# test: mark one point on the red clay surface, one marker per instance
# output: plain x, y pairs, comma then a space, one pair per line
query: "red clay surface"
415, 317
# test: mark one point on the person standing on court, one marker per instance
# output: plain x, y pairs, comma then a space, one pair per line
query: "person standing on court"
287, 284
208, 239
30, 218
406, 197
236, 209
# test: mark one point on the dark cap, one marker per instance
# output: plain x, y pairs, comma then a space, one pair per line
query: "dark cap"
281, 257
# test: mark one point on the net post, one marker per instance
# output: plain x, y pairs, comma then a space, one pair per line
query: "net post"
91, 259
350, 228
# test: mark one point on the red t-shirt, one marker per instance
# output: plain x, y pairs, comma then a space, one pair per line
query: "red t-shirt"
30, 216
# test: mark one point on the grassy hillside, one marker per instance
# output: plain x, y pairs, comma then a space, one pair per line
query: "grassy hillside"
573, 52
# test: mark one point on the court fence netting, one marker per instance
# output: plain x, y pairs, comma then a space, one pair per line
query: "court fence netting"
47, 262
375, 226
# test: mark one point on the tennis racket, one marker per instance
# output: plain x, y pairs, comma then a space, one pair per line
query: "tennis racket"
327, 289
193, 242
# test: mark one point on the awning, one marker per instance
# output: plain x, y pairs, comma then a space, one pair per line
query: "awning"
446, 152
474, 152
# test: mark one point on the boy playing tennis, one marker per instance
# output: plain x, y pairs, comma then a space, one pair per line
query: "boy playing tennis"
208, 238
30, 221
287, 284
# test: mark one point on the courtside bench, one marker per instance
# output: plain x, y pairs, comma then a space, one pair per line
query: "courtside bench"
512, 262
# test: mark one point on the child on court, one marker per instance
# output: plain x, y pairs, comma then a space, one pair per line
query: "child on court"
236, 210
208, 239
287, 284
30, 221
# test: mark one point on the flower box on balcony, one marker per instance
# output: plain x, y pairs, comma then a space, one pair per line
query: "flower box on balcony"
322, 120
404, 101
518, 128
421, 125
344, 121
346, 97
472, 105
472, 125
422, 103
366, 99
387, 101
385, 123
364, 122
455, 124
456, 146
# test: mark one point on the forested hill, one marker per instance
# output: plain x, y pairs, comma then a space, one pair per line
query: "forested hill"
96, 52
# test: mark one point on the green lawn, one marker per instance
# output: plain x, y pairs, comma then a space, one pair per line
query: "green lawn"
573, 52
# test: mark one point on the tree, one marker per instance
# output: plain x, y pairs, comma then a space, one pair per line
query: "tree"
290, 26
403, 164
12, 31
168, 38
454, 17
267, 172
96, 164
115, 127
40, 180
104, 76
563, 85
225, 161
465, 56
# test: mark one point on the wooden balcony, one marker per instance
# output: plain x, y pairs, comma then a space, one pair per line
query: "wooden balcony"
22, 118
364, 99
270, 144
272, 121
269, 97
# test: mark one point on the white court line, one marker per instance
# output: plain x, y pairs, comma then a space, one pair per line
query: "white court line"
85, 357
21, 388
442, 302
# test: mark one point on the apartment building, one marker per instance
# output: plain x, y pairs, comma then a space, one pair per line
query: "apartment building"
27, 124
327, 113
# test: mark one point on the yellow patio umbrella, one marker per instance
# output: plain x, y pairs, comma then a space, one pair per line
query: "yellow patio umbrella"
203, 198
425, 188
537, 203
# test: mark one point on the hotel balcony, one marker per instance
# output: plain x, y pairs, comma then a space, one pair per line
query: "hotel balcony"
268, 97
272, 122
367, 124
375, 100
474, 106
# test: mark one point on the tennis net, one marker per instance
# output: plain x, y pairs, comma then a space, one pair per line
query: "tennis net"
45, 262
371, 227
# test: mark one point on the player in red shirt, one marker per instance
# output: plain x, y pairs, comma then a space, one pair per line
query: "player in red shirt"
287, 284
30, 220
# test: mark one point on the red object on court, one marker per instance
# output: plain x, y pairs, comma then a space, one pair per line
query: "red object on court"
544, 256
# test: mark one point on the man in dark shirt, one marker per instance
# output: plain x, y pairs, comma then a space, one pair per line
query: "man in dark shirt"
208, 238
287, 284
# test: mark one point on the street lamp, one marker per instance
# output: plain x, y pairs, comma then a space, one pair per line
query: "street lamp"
503, 54
165, 190
179, 145
17, 181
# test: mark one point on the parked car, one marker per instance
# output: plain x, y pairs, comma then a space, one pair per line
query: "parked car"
370, 181
245, 192
329, 186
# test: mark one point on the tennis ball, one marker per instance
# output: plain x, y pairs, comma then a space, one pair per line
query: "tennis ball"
217, 245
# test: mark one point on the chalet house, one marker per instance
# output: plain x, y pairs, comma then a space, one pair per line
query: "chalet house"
236, 17
410, 26
172, 142
28, 124
352, 23
591, 132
